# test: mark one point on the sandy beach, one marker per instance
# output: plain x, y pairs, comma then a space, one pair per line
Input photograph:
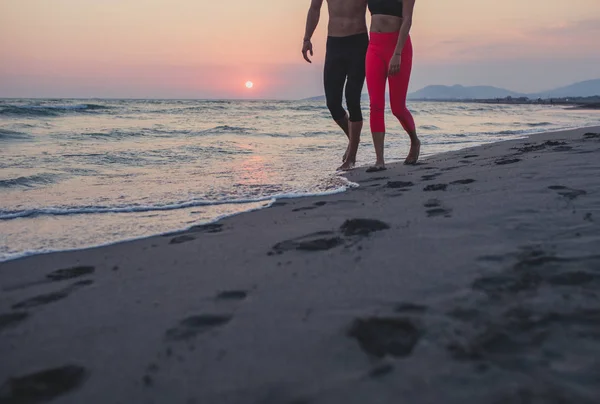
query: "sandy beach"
473, 277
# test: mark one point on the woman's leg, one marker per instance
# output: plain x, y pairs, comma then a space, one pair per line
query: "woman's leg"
376, 72
398, 92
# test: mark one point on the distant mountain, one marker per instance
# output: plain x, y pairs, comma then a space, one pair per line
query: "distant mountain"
317, 98
458, 92
588, 88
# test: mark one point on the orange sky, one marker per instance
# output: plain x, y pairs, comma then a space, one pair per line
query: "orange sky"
208, 48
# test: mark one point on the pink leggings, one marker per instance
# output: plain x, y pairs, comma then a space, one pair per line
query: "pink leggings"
380, 51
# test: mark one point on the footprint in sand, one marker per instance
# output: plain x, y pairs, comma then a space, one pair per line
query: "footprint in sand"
56, 276
432, 203
399, 184
439, 212
319, 241
190, 327
528, 323
182, 239
435, 187
304, 208
531, 268
382, 336
229, 295
502, 162
381, 370
195, 325
567, 192
186, 235
429, 177
326, 240
375, 179
70, 273
11, 319
463, 182
275, 204
408, 308
47, 298
451, 168
591, 135
562, 148
206, 228
362, 227
43, 386
537, 147
435, 209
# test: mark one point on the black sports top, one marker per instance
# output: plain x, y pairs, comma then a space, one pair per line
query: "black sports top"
386, 7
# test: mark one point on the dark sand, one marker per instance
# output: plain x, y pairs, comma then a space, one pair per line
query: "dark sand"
473, 277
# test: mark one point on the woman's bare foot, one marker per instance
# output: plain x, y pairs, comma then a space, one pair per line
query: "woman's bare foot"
413, 154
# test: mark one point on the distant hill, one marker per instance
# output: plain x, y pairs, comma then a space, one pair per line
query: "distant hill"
317, 98
586, 88
458, 92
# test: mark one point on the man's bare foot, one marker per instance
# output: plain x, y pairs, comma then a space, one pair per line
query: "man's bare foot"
413, 154
376, 167
348, 165
346, 154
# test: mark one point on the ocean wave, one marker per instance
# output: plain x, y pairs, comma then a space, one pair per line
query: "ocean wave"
6, 134
309, 108
508, 132
221, 129
49, 110
315, 134
87, 210
30, 181
536, 124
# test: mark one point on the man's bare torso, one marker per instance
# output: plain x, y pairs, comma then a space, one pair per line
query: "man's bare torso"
346, 17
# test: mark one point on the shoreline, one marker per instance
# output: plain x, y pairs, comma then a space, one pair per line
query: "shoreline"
472, 276
268, 200
550, 102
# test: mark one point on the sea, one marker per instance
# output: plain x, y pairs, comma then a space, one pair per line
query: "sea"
80, 173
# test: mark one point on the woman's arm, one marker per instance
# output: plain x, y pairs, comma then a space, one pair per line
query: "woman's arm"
407, 15
312, 20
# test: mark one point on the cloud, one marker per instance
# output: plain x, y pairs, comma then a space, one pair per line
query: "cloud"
561, 40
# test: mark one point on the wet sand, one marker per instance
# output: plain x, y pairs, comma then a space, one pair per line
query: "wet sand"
471, 277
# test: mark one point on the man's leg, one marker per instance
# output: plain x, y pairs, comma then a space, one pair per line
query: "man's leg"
334, 77
354, 86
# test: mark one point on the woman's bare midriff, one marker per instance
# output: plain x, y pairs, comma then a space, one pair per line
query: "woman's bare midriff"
343, 26
385, 23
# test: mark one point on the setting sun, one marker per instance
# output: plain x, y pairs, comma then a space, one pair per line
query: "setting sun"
249, 84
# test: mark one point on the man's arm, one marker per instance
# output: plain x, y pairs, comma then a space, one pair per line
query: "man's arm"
312, 20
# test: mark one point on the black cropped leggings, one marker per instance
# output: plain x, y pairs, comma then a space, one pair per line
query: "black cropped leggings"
345, 64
